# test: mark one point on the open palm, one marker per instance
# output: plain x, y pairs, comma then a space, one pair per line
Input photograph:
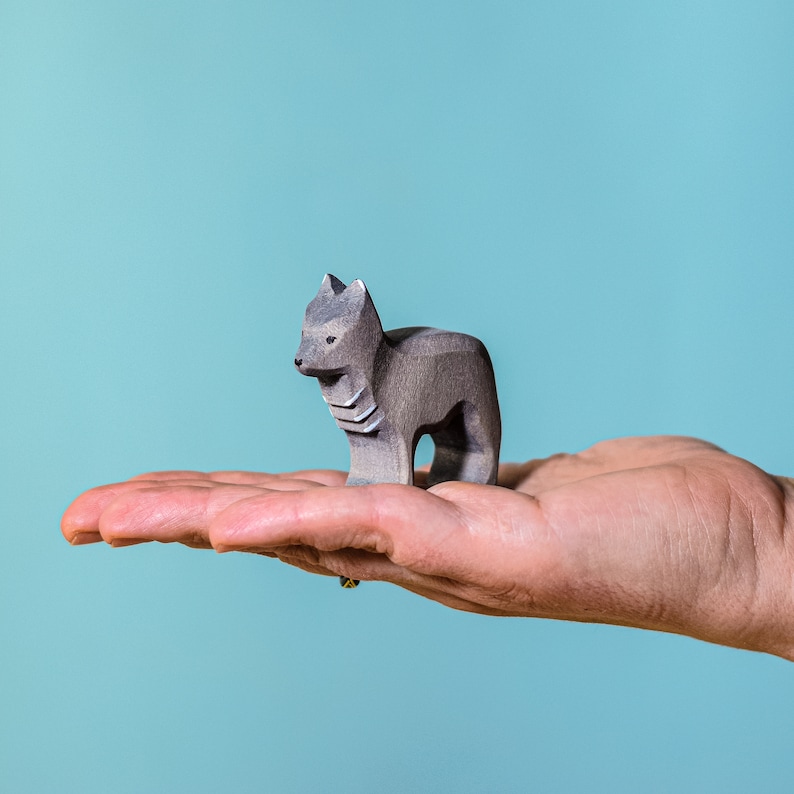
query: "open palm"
665, 533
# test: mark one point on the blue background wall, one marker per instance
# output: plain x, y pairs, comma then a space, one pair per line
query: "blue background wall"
603, 192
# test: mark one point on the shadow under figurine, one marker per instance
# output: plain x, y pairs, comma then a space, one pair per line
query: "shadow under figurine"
387, 390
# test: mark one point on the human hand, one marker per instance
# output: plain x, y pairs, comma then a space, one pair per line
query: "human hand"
663, 533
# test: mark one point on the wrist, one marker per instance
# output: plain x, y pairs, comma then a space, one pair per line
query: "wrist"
775, 575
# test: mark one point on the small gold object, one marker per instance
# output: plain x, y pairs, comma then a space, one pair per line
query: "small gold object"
348, 583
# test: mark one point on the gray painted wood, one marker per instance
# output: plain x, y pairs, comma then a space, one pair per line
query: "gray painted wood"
387, 390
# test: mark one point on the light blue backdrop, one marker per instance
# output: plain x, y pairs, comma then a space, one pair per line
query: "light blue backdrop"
603, 192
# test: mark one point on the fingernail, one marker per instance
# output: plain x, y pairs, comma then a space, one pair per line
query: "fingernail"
81, 538
118, 543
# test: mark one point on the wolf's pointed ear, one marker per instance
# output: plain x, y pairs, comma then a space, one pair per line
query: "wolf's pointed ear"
332, 285
356, 293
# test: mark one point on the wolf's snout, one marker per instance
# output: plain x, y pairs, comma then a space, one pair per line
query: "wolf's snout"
298, 362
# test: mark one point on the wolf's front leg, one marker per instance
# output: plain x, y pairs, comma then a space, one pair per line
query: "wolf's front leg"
383, 456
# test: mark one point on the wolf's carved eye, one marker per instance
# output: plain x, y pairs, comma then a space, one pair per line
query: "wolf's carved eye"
330, 339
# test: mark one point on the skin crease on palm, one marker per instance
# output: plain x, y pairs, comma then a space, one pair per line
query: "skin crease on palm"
664, 533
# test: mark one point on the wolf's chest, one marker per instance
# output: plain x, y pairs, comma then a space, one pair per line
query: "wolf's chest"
353, 405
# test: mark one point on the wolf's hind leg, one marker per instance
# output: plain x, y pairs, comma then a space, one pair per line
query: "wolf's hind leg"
464, 451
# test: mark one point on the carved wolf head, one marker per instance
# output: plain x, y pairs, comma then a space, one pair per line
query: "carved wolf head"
341, 330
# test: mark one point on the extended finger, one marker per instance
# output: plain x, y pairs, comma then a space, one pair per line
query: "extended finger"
177, 512
320, 476
366, 566
167, 513
402, 522
353, 564
80, 521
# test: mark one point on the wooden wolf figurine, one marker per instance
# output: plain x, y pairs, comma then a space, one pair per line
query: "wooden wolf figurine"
386, 390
